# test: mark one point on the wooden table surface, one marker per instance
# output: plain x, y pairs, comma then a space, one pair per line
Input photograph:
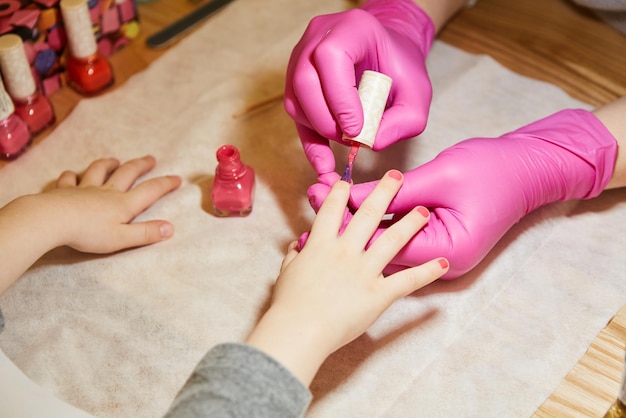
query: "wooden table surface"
549, 40
592, 385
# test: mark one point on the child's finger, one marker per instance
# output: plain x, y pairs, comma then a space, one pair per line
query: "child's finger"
329, 219
367, 219
393, 238
148, 192
127, 174
407, 281
67, 179
98, 171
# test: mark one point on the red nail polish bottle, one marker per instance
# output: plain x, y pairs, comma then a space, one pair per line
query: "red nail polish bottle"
233, 186
88, 72
33, 107
14, 134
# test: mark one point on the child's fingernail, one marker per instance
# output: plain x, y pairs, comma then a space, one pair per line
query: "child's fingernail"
166, 230
423, 211
395, 174
443, 263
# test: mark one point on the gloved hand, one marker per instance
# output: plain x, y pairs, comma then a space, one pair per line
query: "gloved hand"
392, 37
480, 187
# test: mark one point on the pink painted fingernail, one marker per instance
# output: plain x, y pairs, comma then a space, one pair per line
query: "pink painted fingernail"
443, 263
395, 174
423, 211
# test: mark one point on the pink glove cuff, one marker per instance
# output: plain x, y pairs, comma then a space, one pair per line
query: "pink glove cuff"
581, 133
406, 18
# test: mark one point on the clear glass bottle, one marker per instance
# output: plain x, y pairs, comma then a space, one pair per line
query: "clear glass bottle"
33, 107
88, 71
233, 185
618, 409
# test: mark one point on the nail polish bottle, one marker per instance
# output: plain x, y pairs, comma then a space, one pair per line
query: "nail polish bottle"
33, 107
14, 134
233, 186
88, 72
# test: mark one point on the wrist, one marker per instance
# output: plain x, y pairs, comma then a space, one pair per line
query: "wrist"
25, 235
406, 18
581, 147
441, 11
298, 345
612, 117
33, 212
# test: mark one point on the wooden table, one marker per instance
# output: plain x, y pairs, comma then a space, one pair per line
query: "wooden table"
592, 385
550, 40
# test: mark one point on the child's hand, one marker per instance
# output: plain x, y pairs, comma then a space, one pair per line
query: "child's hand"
90, 212
334, 289
94, 209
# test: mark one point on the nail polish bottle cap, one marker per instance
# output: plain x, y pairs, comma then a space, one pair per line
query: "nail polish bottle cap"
6, 104
373, 91
77, 21
15, 68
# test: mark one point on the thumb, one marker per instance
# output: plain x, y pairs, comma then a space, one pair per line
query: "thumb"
397, 125
317, 150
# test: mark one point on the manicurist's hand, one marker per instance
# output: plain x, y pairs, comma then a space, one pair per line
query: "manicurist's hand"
331, 291
90, 212
479, 188
391, 37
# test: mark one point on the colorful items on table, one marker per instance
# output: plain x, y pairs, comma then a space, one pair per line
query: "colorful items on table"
40, 25
30, 105
88, 71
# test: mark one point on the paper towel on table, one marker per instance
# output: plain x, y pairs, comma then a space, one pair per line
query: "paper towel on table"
118, 335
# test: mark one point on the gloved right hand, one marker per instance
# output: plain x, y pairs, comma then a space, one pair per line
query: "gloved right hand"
391, 37
479, 188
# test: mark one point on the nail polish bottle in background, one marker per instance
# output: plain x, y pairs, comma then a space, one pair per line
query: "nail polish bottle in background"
88, 72
14, 134
233, 186
33, 107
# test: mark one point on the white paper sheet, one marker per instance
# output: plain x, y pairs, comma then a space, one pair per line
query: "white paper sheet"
118, 335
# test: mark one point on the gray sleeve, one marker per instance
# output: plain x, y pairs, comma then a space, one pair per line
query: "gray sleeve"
1, 322
237, 380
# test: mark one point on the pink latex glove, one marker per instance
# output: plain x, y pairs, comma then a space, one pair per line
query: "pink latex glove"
392, 37
480, 187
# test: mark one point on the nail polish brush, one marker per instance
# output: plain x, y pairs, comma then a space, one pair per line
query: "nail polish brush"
373, 91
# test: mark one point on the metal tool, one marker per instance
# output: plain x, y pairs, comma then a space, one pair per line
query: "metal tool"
171, 33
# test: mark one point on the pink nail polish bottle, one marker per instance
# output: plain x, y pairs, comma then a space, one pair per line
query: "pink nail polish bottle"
14, 134
233, 186
88, 71
33, 107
